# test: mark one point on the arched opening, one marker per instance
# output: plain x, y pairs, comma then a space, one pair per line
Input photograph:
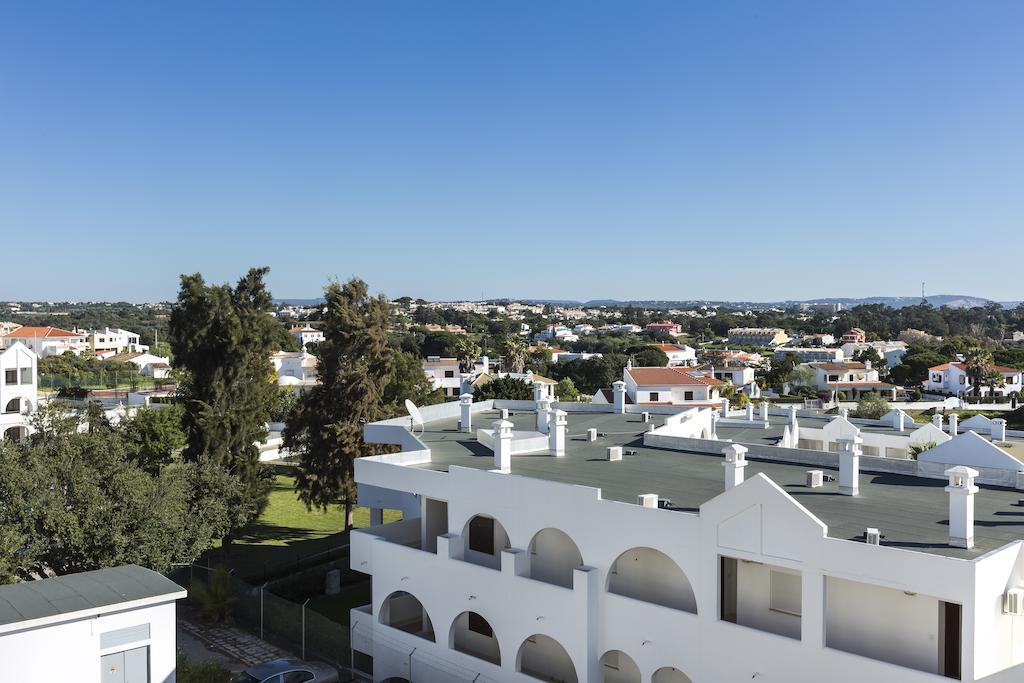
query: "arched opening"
670, 674
544, 657
652, 576
403, 611
16, 434
553, 557
472, 634
13, 406
618, 667
484, 539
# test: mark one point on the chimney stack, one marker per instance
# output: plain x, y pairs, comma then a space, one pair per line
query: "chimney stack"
538, 391
764, 411
714, 425
725, 407
556, 433
647, 500
503, 446
619, 396
844, 413
735, 461
899, 420
543, 413
750, 412
849, 465
937, 420
999, 429
466, 416
961, 492
954, 424
465, 383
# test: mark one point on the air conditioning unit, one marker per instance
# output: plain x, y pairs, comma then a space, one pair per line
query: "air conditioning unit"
872, 536
814, 479
1013, 602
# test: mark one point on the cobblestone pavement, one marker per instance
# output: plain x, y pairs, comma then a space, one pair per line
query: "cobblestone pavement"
233, 642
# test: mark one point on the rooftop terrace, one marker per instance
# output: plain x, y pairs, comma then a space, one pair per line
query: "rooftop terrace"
911, 512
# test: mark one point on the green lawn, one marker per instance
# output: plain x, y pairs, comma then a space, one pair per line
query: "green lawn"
287, 532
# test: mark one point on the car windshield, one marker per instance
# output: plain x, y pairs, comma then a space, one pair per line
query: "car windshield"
245, 678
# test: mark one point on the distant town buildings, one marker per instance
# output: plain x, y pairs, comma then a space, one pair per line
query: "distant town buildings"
48, 341
758, 336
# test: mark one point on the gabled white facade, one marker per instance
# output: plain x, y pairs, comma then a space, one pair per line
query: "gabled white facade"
953, 379
19, 390
114, 339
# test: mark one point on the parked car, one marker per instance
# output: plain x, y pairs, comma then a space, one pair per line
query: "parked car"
289, 671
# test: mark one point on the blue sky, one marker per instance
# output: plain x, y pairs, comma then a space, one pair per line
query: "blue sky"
446, 150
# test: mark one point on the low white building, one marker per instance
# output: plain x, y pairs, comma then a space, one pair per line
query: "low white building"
664, 386
758, 336
149, 364
678, 354
736, 374
48, 341
307, 335
851, 378
295, 367
620, 548
444, 374
953, 379
891, 351
114, 339
19, 390
114, 625
811, 354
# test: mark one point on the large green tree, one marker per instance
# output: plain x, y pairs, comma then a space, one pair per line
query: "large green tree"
222, 337
356, 364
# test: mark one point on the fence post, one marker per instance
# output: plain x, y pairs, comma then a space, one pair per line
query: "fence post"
262, 588
304, 627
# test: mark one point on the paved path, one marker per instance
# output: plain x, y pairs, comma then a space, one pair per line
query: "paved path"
237, 645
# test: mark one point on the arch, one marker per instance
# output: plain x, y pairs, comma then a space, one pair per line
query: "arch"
553, 557
543, 657
13, 406
670, 674
16, 434
405, 612
483, 540
618, 667
652, 576
471, 634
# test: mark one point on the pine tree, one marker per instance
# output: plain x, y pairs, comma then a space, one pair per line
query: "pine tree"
355, 365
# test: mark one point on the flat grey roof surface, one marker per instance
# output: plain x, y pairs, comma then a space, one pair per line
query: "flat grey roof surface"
76, 592
910, 512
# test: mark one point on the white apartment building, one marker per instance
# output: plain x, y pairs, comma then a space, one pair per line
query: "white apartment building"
663, 386
953, 379
444, 373
307, 335
736, 374
19, 390
114, 339
48, 341
891, 351
851, 378
678, 354
612, 546
758, 336
811, 354
113, 625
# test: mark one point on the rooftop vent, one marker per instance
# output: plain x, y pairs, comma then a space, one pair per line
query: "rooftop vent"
872, 536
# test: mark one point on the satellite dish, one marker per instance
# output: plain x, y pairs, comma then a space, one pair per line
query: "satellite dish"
415, 414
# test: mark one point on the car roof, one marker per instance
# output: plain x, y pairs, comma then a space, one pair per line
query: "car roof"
277, 666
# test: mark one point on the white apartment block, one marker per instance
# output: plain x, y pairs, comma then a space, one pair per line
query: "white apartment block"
811, 354
891, 351
47, 341
640, 544
114, 625
114, 339
758, 336
953, 379
852, 379
19, 390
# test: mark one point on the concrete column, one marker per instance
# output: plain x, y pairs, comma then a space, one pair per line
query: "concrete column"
792, 417
556, 435
849, 465
466, 414
961, 492
543, 410
503, 445
999, 429
714, 425
538, 391
750, 412
954, 424
735, 461
619, 397
937, 420
515, 562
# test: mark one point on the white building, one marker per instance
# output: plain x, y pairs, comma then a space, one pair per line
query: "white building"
811, 354
851, 378
48, 341
444, 374
650, 551
149, 364
953, 379
113, 625
664, 386
295, 368
678, 354
736, 374
307, 335
891, 351
114, 339
758, 336
19, 390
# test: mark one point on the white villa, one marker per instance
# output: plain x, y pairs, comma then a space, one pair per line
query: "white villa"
114, 339
852, 378
664, 386
444, 374
811, 354
19, 390
953, 379
295, 368
149, 364
307, 335
626, 543
678, 354
47, 341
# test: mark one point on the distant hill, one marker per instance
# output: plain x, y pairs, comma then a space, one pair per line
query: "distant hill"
937, 300
298, 302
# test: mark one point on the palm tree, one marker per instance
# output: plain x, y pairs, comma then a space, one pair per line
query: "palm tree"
993, 380
977, 361
466, 351
515, 353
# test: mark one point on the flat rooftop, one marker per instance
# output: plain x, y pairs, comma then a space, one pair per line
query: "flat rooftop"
910, 512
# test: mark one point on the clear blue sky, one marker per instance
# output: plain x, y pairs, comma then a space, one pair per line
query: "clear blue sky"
530, 149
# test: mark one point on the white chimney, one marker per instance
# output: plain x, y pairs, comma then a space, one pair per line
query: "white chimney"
954, 424
619, 396
849, 465
725, 407
735, 461
466, 416
898, 420
844, 413
961, 492
465, 383
647, 500
543, 414
867, 365
937, 421
485, 364
714, 425
764, 411
556, 435
538, 391
503, 445
999, 429
750, 412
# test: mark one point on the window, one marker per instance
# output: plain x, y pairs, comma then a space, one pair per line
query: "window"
687, 395
784, 593
481, 535
654, 396
449, 373
297, 677
10, 377
26, 375
477, 624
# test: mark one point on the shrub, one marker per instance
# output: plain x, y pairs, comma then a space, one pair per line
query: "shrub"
200, 672
216, 598
871, 407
